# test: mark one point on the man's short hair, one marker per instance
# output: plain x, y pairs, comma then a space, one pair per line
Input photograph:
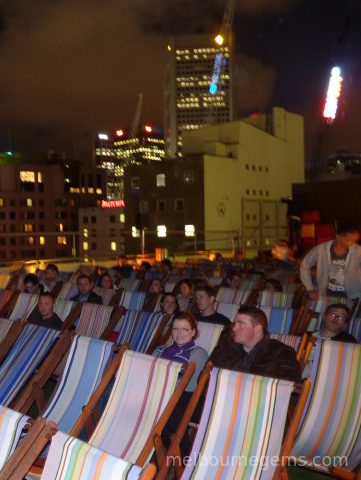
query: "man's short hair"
53, 267
48, 294
346, 227
206, 288
84, 275
332, 307
257, 316
167, 262
31, 278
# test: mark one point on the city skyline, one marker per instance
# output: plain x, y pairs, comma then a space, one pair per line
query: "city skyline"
77, 67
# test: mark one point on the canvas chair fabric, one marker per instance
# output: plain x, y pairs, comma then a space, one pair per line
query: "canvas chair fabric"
143, 386
275, 299
24, 357
279, 319
209, 334
229, 310
11, 427
232, 295
331, 422
132, 300
24, 305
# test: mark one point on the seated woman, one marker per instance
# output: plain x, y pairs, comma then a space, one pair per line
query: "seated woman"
169, 304
185, 293
105, 281
184, 350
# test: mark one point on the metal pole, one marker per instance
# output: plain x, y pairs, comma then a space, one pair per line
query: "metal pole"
242, 227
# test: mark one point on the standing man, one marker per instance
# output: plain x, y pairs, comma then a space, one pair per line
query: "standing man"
338, 266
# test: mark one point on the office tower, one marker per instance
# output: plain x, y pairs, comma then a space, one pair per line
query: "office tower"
190, 69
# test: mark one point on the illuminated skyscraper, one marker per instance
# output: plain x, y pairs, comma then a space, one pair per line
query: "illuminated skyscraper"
189, 105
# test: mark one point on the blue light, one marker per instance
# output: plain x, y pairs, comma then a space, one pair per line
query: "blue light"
213, 88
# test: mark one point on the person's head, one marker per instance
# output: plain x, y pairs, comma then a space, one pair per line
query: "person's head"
185, 288
31, 283
145, 266
334, 319
122, 260
169, 303
347, 235
250, 326
165, 265
205, 296
272, 285
105, 281
51, 272
46, 304
156, 286
234, 280
85, 284
218, 257
184, 328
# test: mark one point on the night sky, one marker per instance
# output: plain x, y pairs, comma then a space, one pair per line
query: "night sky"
72, 67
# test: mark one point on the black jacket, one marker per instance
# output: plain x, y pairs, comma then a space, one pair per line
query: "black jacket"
271, 359
93, 298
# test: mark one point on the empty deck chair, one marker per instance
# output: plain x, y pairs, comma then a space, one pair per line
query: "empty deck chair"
132, 300
230, 310
12, 426
68, 291
5, 325
275, 299
209, 334
131, 285
232, 295
85, 366
329, 435
279, 319
71, 458
291, 340
144, 394
141, 329
241, 428
5, 296
23, 358
20, 305
63, 308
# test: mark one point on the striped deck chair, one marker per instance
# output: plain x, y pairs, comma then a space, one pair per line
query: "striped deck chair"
106, 293
63, 308
68, 291
72, 459
329, 436
250, 282
5, 325
12, 425
145, 391
96, 319
230, 310
232, 295
131, 285
132, 300
279, 319
240, 430
141, 329
84, 369
215, 281
275, 299
24, 357
354, 328
291, 340
209, 334
24, 306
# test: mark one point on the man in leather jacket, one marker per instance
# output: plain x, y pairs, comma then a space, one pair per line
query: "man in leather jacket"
248, 348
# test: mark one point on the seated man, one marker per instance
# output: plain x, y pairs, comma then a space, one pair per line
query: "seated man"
334, 322
205, 297
44, 315
234, 280
248, 348
85, 291
32, 284
52, 273
123, 270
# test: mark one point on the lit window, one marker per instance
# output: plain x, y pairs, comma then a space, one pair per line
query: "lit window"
90, 190
31, 240
135, 232
61, 227
27, 227
2, 203
61, 240
122, 218
27, 176
160, 180
85, 232
40, 177
85, 246
161, 231
42, 240
189, 230
113, 246
99, 191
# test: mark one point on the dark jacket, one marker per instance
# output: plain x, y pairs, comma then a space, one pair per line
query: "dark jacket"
271, 358
341, 337
92, 298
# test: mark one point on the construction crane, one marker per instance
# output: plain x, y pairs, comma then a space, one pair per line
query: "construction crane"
133, 131
222, 38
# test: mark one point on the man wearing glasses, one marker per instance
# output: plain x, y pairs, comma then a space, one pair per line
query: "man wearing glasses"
334, 323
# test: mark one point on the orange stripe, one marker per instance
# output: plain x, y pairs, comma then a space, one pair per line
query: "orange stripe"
332, 402
99, 467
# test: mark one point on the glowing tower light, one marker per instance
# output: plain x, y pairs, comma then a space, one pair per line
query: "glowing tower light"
333, 93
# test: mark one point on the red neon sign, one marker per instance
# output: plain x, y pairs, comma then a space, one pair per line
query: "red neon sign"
112, 203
